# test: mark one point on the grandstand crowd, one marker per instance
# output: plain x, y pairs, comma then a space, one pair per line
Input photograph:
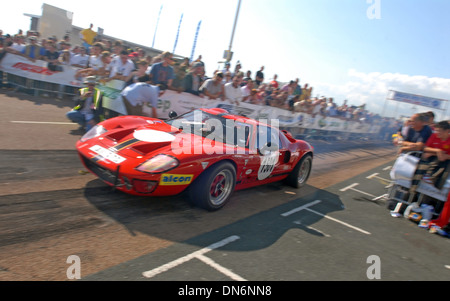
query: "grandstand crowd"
109, 60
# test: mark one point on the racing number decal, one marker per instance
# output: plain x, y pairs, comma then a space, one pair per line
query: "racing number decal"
267, 165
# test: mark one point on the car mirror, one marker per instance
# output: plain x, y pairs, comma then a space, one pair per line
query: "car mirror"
172, 114
268, 148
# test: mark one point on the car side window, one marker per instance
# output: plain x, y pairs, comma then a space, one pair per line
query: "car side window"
266, 134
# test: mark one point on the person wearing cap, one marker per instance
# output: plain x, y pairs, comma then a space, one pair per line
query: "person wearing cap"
33, 51
89, 109
136, 95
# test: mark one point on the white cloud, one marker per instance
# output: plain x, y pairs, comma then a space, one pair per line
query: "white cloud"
373, 88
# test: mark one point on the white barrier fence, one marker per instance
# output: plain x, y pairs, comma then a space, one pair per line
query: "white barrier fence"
183, 102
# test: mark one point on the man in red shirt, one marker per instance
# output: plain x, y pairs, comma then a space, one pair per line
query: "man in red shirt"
439, 142
437, 152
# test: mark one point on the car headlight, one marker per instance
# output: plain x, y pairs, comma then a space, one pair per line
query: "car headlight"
159, 164
94, 132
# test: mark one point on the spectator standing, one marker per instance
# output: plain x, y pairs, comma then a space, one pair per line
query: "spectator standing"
87, 36
64, 58
306, 92
122, 67
33, 51
237, 68
213, 88
227, 68
297, 88
259, 79
52, 56
248, 76
227, 78
274, 82
247, 90
80, 60
139, 75
163, 73
95, 60
193, 80
233, 90
418, 134
18, 43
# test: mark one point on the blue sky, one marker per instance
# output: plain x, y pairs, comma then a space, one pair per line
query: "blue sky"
331, 44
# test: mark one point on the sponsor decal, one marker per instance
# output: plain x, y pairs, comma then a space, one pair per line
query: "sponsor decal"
173, 180
267, 165
33, 68
107, 154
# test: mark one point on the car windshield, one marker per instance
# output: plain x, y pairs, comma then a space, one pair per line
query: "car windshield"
214, 127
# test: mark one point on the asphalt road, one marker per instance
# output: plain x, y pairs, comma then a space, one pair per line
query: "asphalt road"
52, 209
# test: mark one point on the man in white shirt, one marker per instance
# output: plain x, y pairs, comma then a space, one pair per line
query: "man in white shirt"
80, 60
136, 95
95, 60
122, 66
233, 91
19, 43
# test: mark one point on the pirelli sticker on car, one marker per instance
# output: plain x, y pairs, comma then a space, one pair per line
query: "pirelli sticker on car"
107, 154
173, 180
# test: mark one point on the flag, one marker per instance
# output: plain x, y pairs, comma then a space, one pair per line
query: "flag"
178, 33
195, 40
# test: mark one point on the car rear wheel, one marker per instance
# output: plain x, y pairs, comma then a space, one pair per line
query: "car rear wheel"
300, 174
213, 188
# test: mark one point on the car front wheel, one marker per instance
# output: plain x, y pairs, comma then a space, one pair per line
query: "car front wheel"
213, 188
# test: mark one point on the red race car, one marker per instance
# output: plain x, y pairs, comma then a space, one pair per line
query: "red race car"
209, 152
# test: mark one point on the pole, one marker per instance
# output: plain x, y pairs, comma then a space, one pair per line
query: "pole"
178, 33
156, 28
234, 29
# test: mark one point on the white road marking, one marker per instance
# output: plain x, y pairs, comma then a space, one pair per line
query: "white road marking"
338, 221
305, 207
43, 122
375, 175
199, 255
314, 229
300, 208
387, 168
349, 187
357, 190
220, 268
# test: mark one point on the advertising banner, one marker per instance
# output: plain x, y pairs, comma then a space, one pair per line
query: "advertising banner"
38, 70
419, 100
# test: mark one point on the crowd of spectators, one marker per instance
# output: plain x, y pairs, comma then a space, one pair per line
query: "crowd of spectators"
421, 136
109, 60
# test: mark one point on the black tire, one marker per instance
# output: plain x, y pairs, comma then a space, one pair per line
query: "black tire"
214, 187
301, 172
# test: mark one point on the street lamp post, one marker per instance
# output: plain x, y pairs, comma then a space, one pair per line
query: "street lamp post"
229, 55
